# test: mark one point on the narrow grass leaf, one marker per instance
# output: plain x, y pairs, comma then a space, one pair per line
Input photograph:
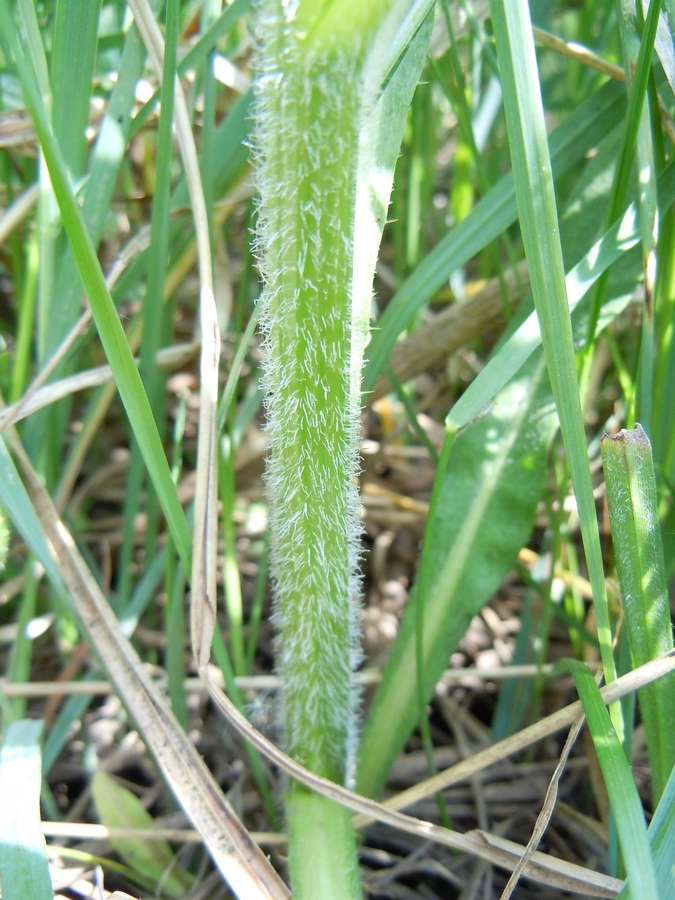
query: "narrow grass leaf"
156, 329
97, 191
539, 225
24, 868
16, 503
638, 552
623, 796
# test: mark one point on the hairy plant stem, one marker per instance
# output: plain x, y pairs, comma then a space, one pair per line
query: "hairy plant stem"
320, 70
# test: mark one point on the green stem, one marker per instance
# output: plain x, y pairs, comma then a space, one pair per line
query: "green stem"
321, 68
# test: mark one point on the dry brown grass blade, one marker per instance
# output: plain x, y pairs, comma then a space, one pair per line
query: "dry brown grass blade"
239, 859
541, 868
451, 329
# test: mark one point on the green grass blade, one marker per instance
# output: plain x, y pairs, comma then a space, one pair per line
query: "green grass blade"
623, 796
632, 501
539, 225
21, 654
107, 320
155, 328
629, 139
23, 852
16, 503
35, 47
231, 576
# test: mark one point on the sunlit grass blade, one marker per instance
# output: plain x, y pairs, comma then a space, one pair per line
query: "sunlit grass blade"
624, 799
636, 536
107, 320
23, 853
540, 230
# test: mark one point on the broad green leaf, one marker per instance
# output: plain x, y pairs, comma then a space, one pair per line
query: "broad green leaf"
485, 509
331, 112
118, 807
24, 868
